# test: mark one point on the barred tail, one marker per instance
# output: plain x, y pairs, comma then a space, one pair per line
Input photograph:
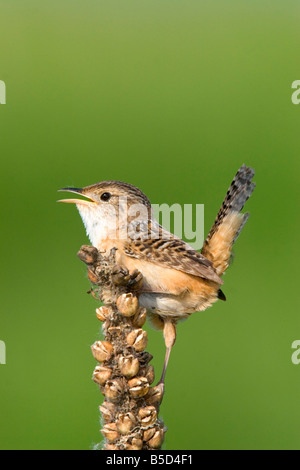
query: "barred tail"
229, 221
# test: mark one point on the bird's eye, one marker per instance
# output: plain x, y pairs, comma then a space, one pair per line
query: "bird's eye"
105, 197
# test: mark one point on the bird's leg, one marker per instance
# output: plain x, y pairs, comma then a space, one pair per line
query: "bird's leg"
170, 337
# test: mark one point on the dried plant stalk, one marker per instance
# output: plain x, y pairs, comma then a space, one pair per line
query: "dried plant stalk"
131, 406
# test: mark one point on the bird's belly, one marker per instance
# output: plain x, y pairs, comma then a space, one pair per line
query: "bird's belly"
166, 305
178, 307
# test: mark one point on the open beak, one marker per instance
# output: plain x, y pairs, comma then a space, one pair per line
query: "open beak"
77, 201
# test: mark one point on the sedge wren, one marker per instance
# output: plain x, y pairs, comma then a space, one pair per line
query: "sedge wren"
177, 280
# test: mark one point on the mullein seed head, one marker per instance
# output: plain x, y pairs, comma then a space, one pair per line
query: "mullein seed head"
130, 408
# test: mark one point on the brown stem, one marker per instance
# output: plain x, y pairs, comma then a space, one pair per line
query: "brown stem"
131, 406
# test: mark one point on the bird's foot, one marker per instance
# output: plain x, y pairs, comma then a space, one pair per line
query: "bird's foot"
122, 277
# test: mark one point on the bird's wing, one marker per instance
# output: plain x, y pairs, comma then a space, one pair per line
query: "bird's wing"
172, 253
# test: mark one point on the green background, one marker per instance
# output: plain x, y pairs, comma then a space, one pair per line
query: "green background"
172, 96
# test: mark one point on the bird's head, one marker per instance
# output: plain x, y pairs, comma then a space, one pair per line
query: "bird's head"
108, 207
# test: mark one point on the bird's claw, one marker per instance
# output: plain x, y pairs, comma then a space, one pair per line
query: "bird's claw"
122, 277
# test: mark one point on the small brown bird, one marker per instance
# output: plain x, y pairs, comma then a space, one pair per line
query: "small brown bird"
177, 280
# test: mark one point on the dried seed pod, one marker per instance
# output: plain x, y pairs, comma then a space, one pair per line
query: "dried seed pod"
92, 276
102, 350
127, 304
135, 444
147, 415
156, 441
110, 447
149, 433
102, 313
107, 410
155, 395
114, 330
128, 365
113, 389
149, 374
101, 374
110, 432
140, 317
88, 254
125, 422
138, 339
138, 387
